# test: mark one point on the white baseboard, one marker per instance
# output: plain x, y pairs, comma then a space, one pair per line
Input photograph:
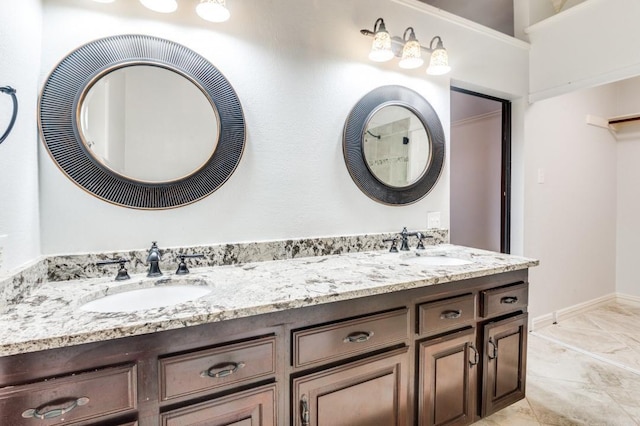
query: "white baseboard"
627, 298
566, 313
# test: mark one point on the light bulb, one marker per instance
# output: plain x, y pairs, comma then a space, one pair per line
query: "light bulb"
162, 6
213, 10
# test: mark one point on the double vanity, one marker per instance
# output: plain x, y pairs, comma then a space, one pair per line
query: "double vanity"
350, 335
434, 336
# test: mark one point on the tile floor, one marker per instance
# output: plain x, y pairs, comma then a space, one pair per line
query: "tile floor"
582, 371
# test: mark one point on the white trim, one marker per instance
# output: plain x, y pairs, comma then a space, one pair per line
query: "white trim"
462, 22
628, 297
571, 311
478, 117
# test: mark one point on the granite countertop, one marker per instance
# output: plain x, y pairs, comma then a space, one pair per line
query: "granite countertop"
50, 316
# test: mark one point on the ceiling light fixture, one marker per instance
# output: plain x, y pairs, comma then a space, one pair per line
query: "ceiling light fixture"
213, 10
409, 49
162, 6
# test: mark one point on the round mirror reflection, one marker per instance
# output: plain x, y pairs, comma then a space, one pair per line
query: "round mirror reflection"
396, 146
148, 123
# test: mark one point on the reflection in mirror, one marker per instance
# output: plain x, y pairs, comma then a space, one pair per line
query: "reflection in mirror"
148, 123
396, 146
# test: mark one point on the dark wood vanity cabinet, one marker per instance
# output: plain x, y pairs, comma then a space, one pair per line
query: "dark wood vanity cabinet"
369, 392
443, 354
470, 365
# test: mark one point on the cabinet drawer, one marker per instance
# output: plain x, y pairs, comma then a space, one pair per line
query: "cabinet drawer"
446, 314
212, 369
253, 407
77, 399
349, 338
501, 300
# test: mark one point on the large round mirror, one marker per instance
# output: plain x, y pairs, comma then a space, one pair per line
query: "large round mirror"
142, 122
394, 145
148, 123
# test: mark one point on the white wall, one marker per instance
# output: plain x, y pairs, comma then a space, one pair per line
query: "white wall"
628, 203
593, 43
476, 153
20, 52
570, 219
298, 68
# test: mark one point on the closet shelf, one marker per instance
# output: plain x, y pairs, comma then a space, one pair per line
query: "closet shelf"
623, 127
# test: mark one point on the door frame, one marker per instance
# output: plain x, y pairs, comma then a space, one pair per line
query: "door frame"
505, 203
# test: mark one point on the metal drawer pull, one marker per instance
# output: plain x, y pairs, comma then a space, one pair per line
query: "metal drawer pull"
358, 337
492, 352
509, 300
304, 411
451, 314
223, 370
53, 409
476, 356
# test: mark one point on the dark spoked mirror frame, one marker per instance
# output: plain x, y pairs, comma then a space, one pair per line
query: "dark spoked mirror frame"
354, 131
58, 120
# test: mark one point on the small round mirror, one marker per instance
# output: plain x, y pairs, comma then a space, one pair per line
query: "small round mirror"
396, 146
148, 123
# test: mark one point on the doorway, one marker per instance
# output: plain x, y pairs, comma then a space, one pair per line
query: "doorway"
480, 160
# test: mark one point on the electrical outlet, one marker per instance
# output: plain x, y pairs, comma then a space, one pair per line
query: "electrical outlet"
540, 175
433, 220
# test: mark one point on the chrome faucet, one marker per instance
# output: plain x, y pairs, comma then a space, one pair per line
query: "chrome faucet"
153, 259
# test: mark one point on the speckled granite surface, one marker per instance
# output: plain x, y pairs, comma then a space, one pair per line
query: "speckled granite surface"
14, 288
63, 268
50, 316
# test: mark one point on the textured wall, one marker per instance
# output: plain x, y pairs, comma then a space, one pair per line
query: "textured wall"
19, 66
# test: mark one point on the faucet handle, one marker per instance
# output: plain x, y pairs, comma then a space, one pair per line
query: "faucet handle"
394, 244
182, 266
122, 271
421, 238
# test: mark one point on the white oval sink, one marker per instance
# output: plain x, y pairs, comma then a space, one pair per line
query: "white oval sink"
436, 260
146, 298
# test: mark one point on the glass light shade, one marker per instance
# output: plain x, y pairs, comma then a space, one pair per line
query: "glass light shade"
439, 64
411, 55
104, 1
162, 6
213, 10
381, 47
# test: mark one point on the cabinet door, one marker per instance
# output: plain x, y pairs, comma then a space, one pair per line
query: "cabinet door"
256, 407
504, 363
447, 380
370, 392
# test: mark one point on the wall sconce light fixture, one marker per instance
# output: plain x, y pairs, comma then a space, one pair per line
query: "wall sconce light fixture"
408, 48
